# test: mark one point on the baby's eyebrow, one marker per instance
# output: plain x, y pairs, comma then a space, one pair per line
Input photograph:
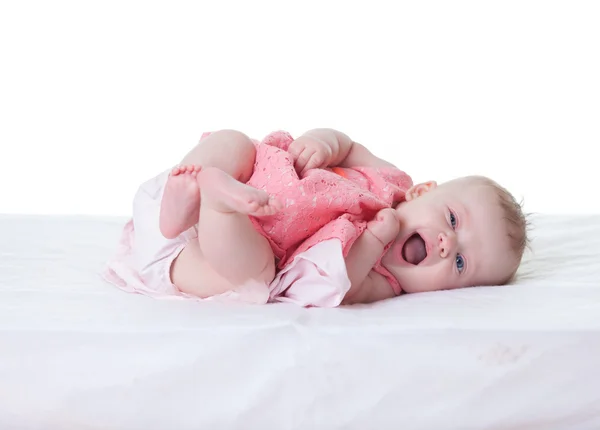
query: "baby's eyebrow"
464, 213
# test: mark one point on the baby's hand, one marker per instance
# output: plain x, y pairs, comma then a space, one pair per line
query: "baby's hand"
310, 153
385, 226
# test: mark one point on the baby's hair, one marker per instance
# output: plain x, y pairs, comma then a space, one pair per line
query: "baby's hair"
517, 221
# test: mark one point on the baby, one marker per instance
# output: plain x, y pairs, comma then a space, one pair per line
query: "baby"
318, 221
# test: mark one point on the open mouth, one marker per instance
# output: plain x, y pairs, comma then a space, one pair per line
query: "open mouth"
414, 250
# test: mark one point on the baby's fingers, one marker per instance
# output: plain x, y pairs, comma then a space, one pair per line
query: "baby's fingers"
303, 160
295, 149
316, 161
387, 214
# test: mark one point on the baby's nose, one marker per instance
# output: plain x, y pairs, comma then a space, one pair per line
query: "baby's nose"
446, 244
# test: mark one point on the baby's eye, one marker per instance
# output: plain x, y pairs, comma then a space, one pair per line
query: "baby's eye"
460, 263
452, 219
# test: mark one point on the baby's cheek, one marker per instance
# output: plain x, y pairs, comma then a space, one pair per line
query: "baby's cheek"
422, 279
442, 279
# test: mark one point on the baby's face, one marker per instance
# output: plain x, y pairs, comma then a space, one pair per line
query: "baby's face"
451, 236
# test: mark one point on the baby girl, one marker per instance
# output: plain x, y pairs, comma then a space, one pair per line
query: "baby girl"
317, 221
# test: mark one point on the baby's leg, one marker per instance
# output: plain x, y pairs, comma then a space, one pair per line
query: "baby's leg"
228, 240
228, 150
229, 251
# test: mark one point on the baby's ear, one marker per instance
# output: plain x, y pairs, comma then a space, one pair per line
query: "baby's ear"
419, 189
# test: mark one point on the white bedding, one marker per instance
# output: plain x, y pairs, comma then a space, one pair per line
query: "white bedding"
77, 353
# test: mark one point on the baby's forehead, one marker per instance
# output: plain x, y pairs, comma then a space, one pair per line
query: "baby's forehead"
497, 261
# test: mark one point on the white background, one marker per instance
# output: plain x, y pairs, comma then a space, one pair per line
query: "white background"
96, 97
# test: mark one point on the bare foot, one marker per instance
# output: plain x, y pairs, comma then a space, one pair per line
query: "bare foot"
180, 205
225, 194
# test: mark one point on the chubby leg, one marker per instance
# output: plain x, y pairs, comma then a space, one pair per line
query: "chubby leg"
229, 251
228, 239
192, 274
230, 151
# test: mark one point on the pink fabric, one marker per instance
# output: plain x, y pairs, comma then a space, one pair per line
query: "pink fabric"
314, 278
323, 204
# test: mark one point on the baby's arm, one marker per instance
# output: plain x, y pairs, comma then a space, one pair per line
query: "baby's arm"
359, 156
375, 287
365, 252
325, 147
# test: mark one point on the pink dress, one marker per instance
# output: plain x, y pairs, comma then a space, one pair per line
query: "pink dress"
325, 204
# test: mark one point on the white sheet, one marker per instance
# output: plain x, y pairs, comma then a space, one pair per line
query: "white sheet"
77, 353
